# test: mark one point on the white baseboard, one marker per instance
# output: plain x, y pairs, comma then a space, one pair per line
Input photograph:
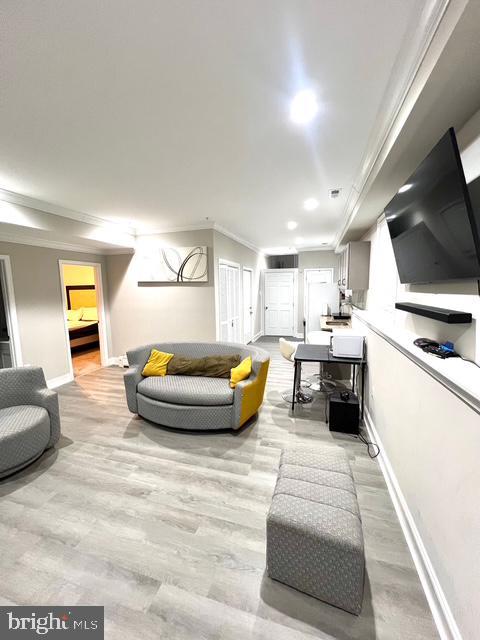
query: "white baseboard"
441, 612
115, 361
53, 383
257, 336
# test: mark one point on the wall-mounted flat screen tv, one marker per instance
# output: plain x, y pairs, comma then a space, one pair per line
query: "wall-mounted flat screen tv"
433, 226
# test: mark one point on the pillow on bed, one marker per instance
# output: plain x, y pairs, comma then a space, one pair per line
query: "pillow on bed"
73, 315
90, 314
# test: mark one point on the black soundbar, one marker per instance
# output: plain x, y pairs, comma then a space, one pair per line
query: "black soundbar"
444, 315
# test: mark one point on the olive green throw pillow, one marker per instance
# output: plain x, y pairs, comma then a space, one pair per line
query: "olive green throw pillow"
209, 366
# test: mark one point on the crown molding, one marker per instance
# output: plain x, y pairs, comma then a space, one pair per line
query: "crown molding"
233, 236
394, 112
320, 248
204, 226
57, 210
45, 243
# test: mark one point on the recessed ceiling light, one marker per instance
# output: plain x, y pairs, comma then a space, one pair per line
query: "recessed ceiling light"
303, 107
310, 204
405, 187
292, 225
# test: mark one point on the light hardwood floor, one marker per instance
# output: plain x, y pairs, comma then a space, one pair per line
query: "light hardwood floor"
85, 361
167, 530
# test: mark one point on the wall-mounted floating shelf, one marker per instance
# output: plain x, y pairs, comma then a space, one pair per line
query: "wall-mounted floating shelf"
435, 313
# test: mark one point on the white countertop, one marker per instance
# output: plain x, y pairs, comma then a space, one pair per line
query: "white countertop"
459, 376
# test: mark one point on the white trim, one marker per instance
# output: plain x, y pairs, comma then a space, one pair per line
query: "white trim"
62, 246
11, 312
328, 247
429, 365
64, 212
257, 336
102, 323
229, 263
224, 231
252, 319
204, 226
441, 612
57, 210
53, 383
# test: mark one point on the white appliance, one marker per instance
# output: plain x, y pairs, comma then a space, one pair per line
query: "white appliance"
321, 299
347, 346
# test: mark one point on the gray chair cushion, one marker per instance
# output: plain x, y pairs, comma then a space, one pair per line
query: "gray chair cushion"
24, 434
187, 390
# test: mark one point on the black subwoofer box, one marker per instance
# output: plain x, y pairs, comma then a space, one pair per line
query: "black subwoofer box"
344, 412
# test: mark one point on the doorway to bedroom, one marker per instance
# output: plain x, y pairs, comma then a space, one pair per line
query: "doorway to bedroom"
83, 308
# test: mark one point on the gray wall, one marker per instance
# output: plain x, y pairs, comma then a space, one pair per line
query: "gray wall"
430, 437
38, 298
143, 314
228, 249
312, 260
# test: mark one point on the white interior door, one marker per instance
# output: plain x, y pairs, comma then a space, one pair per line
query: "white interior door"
247, 306
280, 303
229, 303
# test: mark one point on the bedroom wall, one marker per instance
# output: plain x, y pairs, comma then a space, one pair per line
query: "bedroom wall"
225, 248
150, 313
312, 260
74, 274
38, 297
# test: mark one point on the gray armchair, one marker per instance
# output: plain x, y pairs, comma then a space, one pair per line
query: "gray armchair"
195, 403
29, 418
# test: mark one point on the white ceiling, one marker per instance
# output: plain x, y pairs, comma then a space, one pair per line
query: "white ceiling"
164, 113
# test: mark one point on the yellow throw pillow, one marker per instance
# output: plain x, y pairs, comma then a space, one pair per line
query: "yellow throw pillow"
157, 363
241, 372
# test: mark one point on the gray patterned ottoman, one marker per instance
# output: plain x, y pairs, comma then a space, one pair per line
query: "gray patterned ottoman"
314, 531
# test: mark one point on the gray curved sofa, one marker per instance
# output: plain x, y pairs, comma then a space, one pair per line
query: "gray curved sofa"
29, 418
191, 402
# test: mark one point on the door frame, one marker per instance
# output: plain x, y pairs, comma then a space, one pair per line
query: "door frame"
295, 297
252, 316
102, 327
11, 312
235, 265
